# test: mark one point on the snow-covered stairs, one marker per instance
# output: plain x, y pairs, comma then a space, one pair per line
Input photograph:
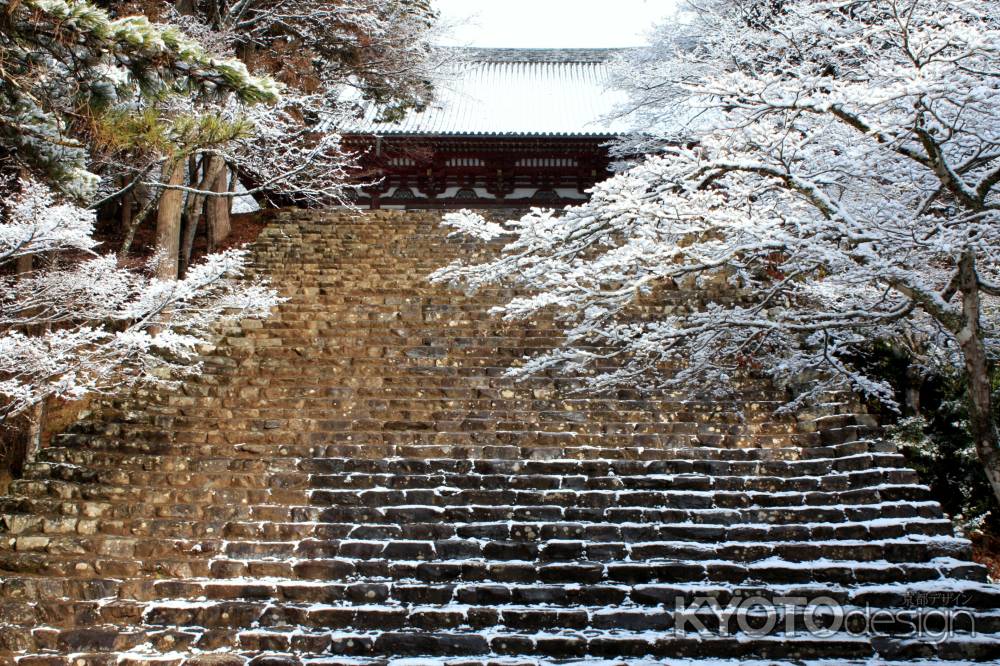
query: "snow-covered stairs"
354, 481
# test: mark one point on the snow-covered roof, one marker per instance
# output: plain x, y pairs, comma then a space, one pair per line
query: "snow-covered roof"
512, 92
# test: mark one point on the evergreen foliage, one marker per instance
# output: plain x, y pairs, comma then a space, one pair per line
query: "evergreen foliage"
66, 62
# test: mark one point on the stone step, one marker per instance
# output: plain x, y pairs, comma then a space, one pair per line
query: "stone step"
154, 496
27, 515
518, 396
781, 487
571, 498
411, 389
510, 459
353, 414
956, 653
273, 413
389, 447
353, 461
31, 515
572, 429
624, 648
428, 381
773, 505
490, 541
16, 510
678, 618
117, 557
459, 427
471, 582
311, 410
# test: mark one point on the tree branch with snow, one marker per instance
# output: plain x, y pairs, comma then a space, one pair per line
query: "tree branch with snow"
79, 323
823, 175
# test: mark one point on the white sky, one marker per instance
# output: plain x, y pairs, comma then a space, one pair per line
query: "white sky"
551, 23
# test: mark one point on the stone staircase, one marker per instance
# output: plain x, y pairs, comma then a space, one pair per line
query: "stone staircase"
354, 481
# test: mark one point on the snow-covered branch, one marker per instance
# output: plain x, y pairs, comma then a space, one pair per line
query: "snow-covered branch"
82, 323
821, 177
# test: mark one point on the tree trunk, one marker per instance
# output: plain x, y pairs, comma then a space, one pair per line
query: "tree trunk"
126, 211
217, 208
137, 220
214, 15
970, 339
36, 430
189, 198
168, 221
914, 383
194, 206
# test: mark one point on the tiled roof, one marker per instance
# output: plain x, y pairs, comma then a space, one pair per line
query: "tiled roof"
513, 92
536, 55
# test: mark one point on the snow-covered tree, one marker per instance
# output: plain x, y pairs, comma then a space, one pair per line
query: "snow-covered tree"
835, 163
77, 84
79, 323
378, 50
159, 117
288, 152
67, 61
153, 117
379, 47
